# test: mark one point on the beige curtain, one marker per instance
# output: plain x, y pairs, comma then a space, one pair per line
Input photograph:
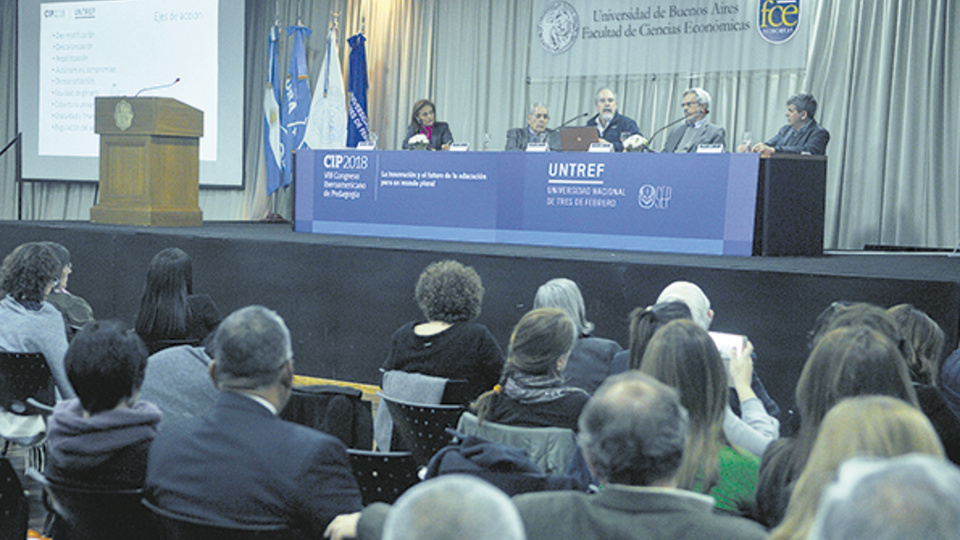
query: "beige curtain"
880, 69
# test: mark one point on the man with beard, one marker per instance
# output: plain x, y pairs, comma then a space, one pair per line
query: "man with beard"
611, 124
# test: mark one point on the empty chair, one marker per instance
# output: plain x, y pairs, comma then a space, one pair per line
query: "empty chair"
383, 476
96, 513
337, 410
422, 427
550, 448
178, 527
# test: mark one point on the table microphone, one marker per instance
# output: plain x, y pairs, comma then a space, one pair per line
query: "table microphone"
677, 121
577, 117
160, 87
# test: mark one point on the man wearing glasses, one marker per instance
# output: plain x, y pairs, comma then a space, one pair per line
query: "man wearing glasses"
536, 131
695, 130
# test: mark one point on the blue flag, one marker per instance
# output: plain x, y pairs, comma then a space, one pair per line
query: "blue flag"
272, 148
296, 107
358, 127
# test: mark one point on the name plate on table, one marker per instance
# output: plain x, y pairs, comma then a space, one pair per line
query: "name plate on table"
459, 147
537, 147
366, 145
709, 148
672, 203
600, 147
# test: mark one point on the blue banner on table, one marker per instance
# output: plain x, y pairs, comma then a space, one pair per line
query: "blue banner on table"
663, 202
272, 146
358, 127
296, 107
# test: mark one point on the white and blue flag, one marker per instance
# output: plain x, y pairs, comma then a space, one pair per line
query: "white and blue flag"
272, 147
296, 108
327, 127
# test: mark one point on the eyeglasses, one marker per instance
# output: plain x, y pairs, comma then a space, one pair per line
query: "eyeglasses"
542, 116
689, 104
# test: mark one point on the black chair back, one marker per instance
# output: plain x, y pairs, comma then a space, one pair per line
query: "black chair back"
337, 410
383, 476
178, 527
14, 508
24, 376
423, 428
96, 513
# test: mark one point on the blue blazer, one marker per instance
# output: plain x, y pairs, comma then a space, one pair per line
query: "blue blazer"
812, 138
618, 124
242, 464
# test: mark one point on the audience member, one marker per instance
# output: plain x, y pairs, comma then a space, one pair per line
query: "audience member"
682, 355
170, 314
448, 343
531, 391
644, 322
949, 381
847, 362
801, 135
877, 426
178, 382
28, 323
633, 434
536, 131
242, 464
750, 421
912, 496
423, 122
102, 437
611, 124
929, 397
76, 311
925, 338
695, 130
590, 360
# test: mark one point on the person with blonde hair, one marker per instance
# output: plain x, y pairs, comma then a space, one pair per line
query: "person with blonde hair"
878, 426
847, 362
531, 391
682, 355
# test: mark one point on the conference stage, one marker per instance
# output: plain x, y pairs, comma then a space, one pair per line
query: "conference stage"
342, 297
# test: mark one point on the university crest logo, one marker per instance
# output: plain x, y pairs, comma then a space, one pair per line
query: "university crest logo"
778, 20
558, 27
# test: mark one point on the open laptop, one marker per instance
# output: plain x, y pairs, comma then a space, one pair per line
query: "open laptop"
578, 139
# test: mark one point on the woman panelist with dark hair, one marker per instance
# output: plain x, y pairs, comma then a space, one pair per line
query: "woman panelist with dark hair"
448, 343
423, 122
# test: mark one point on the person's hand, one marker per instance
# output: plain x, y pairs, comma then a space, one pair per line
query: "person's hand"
763, 149
342, 526
742, 148
741, 370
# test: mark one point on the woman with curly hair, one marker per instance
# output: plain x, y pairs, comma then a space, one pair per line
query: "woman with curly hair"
531, 392
448, 343
28, 323
170, 314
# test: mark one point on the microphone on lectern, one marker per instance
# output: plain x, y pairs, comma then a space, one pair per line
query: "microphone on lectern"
160, 87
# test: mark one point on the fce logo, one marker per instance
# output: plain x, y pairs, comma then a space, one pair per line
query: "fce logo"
778, 20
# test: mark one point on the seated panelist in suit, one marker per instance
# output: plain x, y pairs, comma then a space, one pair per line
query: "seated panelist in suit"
242, 464
695, 130
536, 131
610, 123
423, 120
801, 135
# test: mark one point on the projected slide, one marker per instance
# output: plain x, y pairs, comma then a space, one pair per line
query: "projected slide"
92, 49
71, 52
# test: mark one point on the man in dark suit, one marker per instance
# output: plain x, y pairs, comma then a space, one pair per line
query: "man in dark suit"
242, 464
609, 122
632, 434
801, 135
695, 130
536, 131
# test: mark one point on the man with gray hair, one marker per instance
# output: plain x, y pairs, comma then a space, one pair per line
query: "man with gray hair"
632, 434
536, 131
911, 496
454, 506
695, 130
610, 124
241, 464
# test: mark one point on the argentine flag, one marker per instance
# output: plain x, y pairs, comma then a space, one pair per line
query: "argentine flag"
327, 127
296, 108
272, 148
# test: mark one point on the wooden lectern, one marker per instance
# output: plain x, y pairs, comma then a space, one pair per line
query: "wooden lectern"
149, 162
